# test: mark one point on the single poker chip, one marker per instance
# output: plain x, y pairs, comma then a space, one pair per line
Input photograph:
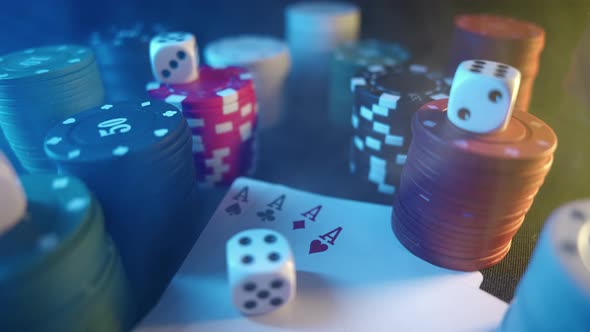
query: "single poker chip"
215, 87
114, 131
396, 87
560, 265
525, 138
13, 201
371, 52
500, 27
246, 50
37, 64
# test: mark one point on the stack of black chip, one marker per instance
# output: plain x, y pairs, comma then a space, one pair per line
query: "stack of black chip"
122, 53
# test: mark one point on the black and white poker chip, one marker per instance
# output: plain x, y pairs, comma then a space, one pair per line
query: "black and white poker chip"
385, 99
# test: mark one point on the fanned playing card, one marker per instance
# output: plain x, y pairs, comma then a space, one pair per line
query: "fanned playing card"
352, 273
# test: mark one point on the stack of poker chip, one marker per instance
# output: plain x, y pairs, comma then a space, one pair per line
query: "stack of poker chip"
313, 30
221, 111
268, 60
60, 270
502, 39
463, 196
384, 100
346, 61
122, 56
40, 86
554, 293
136, 158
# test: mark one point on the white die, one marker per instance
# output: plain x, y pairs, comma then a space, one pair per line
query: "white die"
174, 57
13, 201
261, 271
482, 96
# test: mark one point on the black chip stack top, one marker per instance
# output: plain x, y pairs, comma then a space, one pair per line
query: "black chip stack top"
137, 158
39, 87
385, 99
59, 270
122, 53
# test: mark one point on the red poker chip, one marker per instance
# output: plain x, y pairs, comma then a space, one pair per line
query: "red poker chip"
463, 196
503, 39
500, 27
214, 87
525, 138
437, 257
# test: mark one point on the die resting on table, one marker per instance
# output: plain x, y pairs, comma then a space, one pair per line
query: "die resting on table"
261, 271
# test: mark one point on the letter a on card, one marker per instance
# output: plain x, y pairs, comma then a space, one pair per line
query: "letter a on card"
242, 195
313, 213
332, 235
277, 203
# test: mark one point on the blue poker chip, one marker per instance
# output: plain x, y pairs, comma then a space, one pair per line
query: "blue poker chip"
122, 53
39, 64
54, 255
40, 86
108, 132
137, 159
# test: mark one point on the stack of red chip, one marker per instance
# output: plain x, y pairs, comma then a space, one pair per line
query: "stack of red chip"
502, 39
462, 195
220, 107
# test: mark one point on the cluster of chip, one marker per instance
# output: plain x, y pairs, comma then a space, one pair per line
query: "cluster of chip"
346, 61
59, 270
502, 39
121, 56
384, 100
463, 196
222, 114
554, 293
136, 158
269, 61
40, 86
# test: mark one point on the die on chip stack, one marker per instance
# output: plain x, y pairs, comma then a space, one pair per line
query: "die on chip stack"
40, 86
346, 61
221, 110
554, 293
385, 99
503, 39
462, 195
121, 54
60, 270
269, 61
136, 158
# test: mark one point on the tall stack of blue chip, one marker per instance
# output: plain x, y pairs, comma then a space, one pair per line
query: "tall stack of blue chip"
59, 270
122, 56
40, 86
137, 159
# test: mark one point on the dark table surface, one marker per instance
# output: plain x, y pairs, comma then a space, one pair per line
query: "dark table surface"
304, 152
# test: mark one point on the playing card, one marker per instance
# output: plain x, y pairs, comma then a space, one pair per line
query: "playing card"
352, 273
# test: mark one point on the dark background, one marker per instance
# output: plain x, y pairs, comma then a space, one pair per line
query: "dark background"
304, 154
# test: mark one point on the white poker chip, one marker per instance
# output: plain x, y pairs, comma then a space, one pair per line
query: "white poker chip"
554, 293
13, 201
269, 61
